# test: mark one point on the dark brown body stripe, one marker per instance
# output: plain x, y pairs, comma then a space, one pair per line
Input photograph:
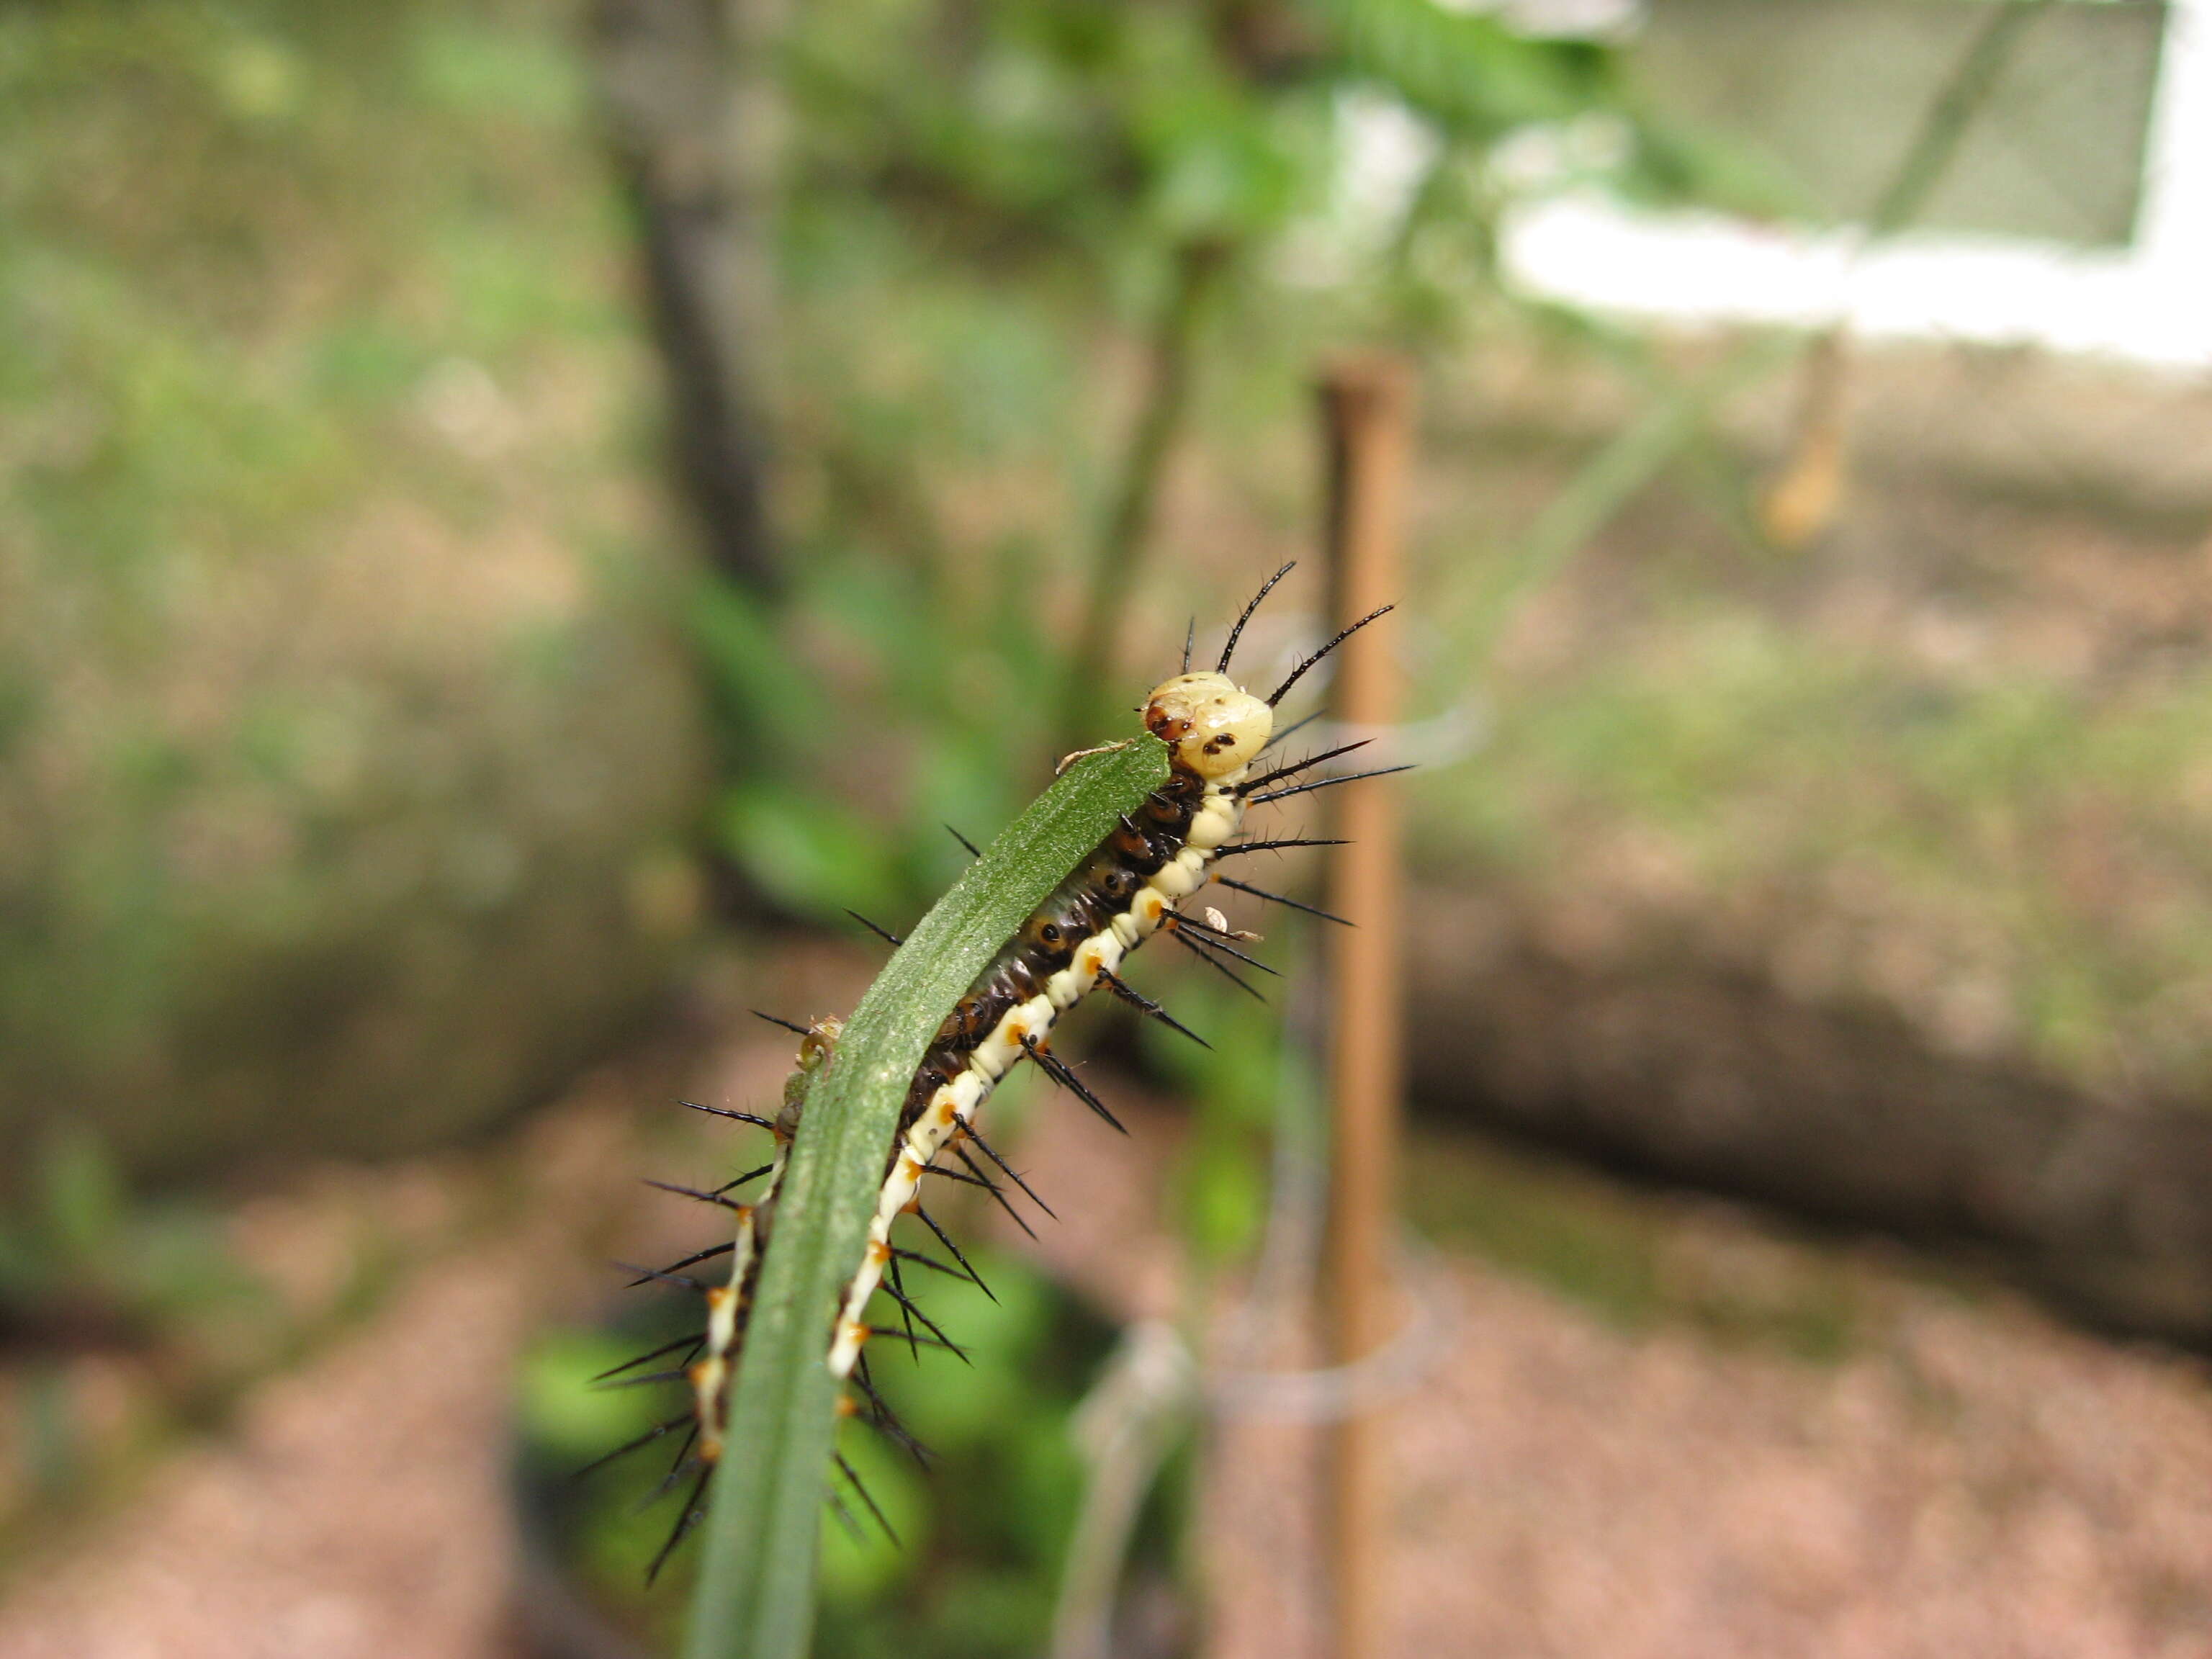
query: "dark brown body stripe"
1083, 905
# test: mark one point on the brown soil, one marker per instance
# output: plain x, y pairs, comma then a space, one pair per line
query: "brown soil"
1964, 1478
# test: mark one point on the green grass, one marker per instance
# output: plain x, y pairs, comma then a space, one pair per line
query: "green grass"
1640, 1262
319, 550
2022, 864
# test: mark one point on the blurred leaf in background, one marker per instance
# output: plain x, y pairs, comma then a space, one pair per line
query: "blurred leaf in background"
1234, 1087
995, 220
973, 1574
82, 1265
123, 1319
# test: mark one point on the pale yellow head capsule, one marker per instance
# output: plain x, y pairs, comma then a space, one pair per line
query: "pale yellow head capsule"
1214, 727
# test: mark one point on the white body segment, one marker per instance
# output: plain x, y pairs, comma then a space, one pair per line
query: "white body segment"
725, 1302
956, 1103
725, 1310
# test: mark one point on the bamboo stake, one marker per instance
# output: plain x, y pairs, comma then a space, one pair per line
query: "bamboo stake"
1368, 405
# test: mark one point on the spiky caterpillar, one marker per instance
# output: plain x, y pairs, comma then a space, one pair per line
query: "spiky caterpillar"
1125, 889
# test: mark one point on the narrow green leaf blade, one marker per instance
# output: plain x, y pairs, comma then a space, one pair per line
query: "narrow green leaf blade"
756, 1593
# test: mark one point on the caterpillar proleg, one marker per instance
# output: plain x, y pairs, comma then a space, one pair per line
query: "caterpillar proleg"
1129, 863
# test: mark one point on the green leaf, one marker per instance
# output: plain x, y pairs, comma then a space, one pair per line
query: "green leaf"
756, 1593
85, 1203
810, 852
1472, 73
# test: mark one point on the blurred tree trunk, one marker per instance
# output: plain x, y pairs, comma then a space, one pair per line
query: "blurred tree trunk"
1665, 1064
696, 110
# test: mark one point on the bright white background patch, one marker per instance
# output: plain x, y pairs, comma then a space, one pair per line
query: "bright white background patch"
2150, 303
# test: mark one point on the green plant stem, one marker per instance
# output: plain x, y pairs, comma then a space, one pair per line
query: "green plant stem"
1928, 156
1607, 483
1125, 533
756, 1592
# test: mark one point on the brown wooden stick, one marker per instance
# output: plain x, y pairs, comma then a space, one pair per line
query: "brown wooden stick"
1368, 405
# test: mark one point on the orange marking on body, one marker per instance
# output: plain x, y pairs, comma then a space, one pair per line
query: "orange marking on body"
878, 1251
947, 1109
716, 1296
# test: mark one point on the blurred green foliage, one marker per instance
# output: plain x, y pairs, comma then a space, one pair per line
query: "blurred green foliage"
974, 1573
2021, 866
980, 201
1236, 1087
113, 1271
123, 1319
331, 699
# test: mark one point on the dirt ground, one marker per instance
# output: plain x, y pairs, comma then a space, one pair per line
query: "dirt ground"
1964, 1478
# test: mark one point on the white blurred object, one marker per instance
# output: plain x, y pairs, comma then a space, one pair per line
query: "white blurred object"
2147, 303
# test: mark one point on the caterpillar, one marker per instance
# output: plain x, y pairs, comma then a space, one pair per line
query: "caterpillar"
1129, 886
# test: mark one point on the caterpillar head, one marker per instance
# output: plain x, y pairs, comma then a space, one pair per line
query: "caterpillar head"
1214, 727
